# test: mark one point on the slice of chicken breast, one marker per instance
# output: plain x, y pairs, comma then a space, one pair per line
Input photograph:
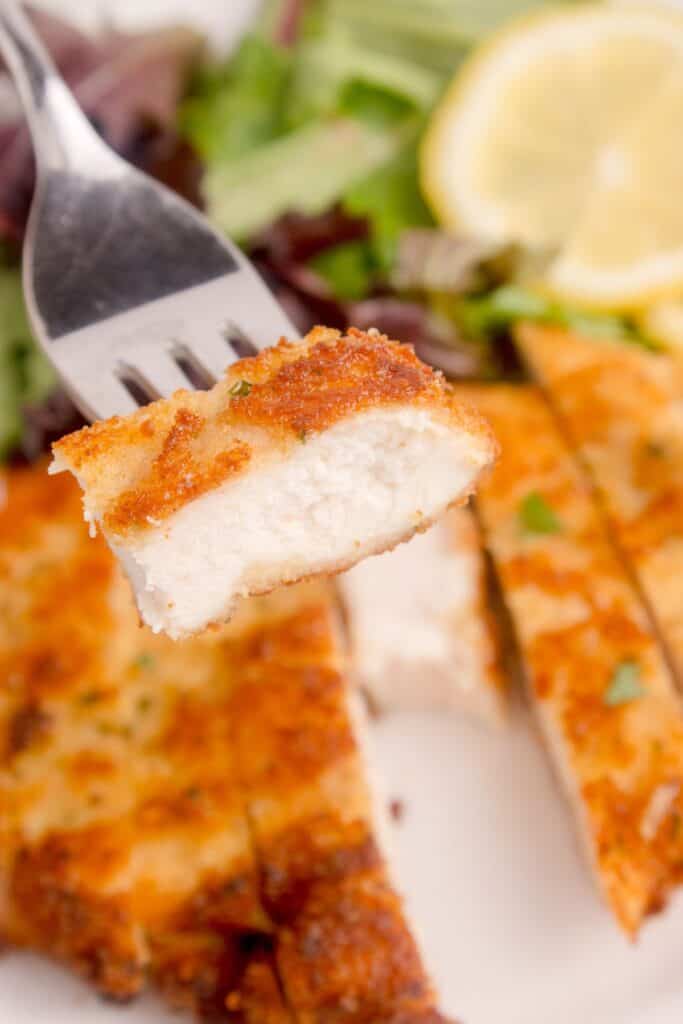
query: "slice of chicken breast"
299, 462
622, 407
195, 814
421, 630
604, 697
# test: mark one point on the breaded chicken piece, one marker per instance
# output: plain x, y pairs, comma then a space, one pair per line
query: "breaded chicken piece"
604, 697
299, 462
344, 952
421, 630
623, 409
122, 821
151, 792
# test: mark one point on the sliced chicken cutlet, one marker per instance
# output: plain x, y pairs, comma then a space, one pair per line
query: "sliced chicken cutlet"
421, 630
604, 697
343, 950
623, 409
125, 844
299, 462
134, 778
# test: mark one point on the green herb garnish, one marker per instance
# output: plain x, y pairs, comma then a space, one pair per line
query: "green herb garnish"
655, 450
240, 389
111, 729
144, 661
90, 697
624, 686
537, 516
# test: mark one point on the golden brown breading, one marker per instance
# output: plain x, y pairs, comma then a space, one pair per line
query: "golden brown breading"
137, 777
294, 465
603, 695
343, 951
120, 806
623, 409
140, 469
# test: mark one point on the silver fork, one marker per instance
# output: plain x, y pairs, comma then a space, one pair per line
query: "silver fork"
130, 292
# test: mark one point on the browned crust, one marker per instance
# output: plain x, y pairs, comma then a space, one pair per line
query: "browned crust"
205, 960
90, 708
619, 405
54, 911
175, 476
347, 955
344, 950
577, 618
160, 751
139, 470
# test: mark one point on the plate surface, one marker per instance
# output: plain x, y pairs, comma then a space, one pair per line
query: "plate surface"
485, 853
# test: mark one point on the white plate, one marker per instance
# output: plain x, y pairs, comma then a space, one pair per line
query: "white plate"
485, 853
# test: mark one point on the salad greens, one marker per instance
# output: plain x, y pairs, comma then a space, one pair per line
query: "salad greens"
308, 139
498, 310
306, 170
25, 375
239, 106
323, 105
282, 130
348, 268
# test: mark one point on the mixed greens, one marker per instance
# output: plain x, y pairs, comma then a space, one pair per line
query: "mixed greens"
25, 376
304, 144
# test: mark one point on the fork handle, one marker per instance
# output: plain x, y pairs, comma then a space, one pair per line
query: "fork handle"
61, 133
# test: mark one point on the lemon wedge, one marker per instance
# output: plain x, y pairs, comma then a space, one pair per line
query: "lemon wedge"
563, 133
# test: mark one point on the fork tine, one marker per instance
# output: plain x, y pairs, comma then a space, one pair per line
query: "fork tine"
254, 311
210, 353
157, 371
106, 395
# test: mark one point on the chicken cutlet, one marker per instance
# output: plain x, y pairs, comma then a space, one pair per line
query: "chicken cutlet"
623, 410
193, 814
299, 462
421, 630
116, 824
343, 950
603, 695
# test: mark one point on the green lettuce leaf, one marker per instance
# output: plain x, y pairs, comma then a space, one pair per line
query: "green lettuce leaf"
391, 200
486, 315
349, 269
25, 375
237, 107
306, 171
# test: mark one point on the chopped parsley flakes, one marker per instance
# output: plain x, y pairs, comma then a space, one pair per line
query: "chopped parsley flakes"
625, 685
144, 661
537, 516
240, 389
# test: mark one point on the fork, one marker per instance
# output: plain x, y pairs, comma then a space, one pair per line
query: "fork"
130, 291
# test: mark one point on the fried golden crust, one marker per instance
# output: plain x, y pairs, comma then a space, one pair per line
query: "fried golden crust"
578, 619
621, 407
344, 951
141, 469
97, 935
120, 811
184, 812
345, 955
